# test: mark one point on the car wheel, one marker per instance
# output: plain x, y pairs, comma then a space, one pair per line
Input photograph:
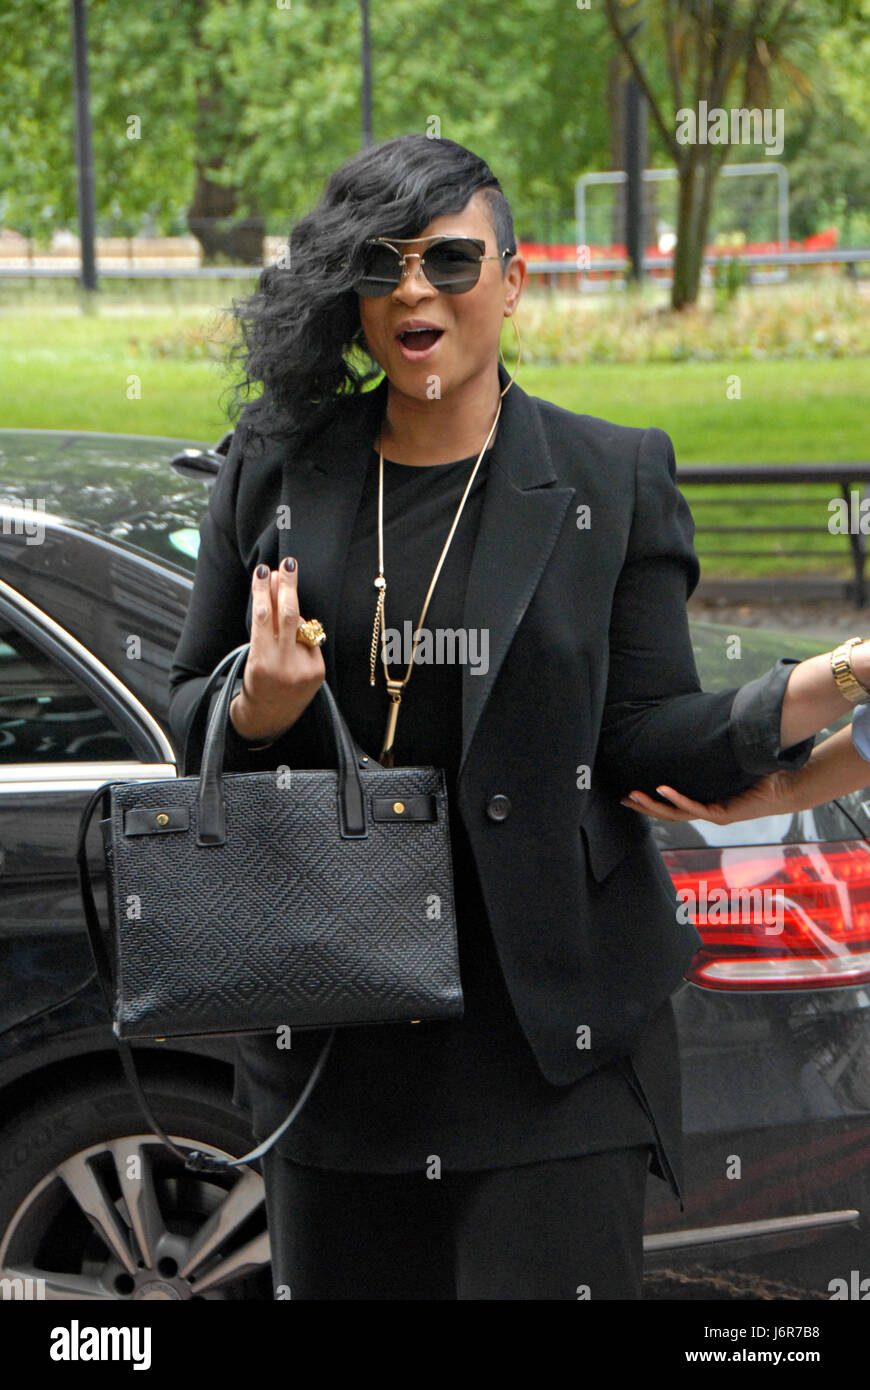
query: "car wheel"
93, 1206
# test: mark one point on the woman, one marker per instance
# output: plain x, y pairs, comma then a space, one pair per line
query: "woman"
503, 1155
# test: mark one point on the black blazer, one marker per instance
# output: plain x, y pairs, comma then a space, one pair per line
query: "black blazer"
582, 566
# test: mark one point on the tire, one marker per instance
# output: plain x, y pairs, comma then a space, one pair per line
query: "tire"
93, 1206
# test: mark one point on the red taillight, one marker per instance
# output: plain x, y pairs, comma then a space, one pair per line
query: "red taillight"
777, 916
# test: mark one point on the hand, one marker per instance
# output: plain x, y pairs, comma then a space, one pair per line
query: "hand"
771, 796
281, 676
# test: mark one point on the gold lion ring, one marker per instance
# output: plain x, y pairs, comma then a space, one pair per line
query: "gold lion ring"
311, 633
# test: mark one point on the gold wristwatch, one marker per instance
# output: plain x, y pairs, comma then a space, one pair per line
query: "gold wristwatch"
841, 665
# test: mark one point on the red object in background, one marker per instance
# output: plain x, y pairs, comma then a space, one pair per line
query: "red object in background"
825, 240
791, 916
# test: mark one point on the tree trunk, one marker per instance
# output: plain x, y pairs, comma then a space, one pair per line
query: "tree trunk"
710, 167
697, 184
683, 292
210, 217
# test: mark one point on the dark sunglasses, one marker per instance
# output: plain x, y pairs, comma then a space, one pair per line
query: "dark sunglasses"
450, 264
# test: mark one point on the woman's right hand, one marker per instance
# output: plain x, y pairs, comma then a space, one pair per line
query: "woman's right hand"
281, 676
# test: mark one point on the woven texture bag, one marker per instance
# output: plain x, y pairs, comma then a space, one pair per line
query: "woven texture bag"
241, 902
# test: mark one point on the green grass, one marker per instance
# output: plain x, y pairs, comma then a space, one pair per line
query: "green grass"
65, 370
789, 412
62, 370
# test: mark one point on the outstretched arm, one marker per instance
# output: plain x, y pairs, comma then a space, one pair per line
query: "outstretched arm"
658, 724
659, 727
834, 769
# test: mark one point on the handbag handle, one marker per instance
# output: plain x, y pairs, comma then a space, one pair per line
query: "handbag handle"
212, 830
195, 1160
211, 805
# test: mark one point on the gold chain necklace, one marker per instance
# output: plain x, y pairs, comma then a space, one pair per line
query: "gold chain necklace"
396, 688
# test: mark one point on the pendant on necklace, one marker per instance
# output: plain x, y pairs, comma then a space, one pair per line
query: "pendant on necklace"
394, 690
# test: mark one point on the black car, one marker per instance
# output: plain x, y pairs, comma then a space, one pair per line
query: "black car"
98, 541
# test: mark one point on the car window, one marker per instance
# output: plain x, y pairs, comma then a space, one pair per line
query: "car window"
45, 714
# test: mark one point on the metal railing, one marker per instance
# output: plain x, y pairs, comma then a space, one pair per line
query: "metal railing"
841, 476
831, 256
849, 257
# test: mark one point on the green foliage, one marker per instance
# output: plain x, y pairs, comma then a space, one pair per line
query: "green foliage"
728, 276
826, 148
269, 99
822, 318
523, 85
143, 63
745, 54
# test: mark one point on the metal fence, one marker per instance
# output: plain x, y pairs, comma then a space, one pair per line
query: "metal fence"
566, 271
842, 476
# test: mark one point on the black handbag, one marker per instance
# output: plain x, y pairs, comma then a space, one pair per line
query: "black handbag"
244, 903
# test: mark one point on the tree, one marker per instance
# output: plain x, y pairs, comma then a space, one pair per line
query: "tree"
829, 171
138, 73
163, 127
710, 50
244, 108
523, 85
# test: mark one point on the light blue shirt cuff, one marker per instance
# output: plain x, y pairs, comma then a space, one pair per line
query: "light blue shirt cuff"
861, 729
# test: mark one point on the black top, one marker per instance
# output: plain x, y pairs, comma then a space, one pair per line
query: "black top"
467, 1090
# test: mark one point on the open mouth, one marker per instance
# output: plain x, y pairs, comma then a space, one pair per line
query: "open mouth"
416, 340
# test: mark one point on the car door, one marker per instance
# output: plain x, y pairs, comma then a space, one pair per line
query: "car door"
67, 725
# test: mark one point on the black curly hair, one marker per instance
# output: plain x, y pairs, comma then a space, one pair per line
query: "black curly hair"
300, 331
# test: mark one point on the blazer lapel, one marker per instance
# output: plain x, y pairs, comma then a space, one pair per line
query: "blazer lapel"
521, 516
519, 522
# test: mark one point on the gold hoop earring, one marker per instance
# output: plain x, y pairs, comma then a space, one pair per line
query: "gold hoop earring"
519, 354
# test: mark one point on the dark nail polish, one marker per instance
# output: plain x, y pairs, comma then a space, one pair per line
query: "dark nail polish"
262, 571
290, 563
